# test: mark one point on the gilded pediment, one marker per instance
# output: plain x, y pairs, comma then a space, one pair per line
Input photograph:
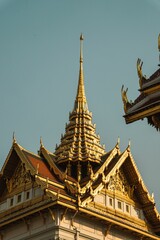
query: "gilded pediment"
120, 185
20, 178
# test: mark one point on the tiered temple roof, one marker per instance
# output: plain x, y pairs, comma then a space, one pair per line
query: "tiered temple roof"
147, 104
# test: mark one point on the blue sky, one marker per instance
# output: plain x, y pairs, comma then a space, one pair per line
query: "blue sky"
39, 65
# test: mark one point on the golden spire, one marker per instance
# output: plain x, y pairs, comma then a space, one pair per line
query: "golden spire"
81, 102
80, 146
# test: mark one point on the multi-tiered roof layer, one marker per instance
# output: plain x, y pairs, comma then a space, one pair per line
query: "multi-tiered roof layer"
147, 104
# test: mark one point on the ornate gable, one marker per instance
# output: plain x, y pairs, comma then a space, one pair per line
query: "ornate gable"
16, 174
117, 189
20, 178
119, 184
118, 200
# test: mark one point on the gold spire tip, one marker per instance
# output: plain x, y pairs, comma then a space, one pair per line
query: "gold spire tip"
81, 48
81, 37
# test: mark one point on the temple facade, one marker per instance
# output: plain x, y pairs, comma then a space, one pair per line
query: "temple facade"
79, 192
147, 104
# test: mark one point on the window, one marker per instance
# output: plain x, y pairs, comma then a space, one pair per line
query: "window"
127, 208
111, 202
119, 205
27, 195
11, 202
19, 197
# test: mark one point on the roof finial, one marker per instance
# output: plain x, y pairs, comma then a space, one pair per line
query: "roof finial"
129, 144
159, 48
14, 138
41, 142
81, 102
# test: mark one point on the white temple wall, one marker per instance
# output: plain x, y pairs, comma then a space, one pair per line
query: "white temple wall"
70, 227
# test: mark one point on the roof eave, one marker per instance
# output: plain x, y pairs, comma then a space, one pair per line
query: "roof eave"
142, 113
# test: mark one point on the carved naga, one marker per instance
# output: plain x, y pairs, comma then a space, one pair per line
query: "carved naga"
126, 103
